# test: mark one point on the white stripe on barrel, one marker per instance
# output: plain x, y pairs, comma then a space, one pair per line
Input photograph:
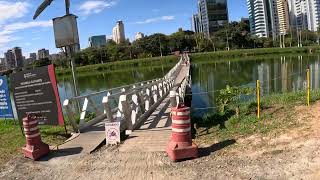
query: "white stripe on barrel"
186, 113
181, 130
181, 121
33, 135
30, 123
31, 129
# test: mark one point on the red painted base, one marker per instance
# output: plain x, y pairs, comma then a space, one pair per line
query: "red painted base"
179, 151
36, 152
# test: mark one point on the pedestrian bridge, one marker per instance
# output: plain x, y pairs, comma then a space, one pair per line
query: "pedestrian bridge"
143, 110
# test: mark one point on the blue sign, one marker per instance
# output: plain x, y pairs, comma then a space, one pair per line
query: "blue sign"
5, 102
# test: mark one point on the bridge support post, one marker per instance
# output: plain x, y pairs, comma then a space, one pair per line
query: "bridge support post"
107, 108
70, 114
173, 99
126, 111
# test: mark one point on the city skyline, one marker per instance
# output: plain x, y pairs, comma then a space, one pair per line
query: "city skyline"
18, 29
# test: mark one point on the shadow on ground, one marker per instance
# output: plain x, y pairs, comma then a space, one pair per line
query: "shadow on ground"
62, 153
207, 151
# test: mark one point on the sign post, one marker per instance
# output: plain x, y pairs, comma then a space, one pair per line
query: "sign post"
35, 91
5, 101
112, 133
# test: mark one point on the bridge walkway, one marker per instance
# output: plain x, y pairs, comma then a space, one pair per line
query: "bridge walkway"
154, 134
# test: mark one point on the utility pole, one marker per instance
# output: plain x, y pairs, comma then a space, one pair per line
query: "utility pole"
228, 47
71, 51
160, 47
69, 48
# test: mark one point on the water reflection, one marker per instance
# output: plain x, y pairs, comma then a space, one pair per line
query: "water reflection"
276, 74
100, 81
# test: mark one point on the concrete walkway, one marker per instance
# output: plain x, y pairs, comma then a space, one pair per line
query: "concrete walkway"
154, 134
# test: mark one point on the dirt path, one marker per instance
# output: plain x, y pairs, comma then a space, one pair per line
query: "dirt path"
293, 154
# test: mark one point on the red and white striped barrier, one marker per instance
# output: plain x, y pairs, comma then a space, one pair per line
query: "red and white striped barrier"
181, 146
34, 148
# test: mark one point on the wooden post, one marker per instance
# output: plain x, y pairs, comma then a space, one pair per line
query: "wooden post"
258, 98
107, 108
308, 87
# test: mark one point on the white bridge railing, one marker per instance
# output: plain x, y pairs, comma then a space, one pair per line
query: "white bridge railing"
130, 104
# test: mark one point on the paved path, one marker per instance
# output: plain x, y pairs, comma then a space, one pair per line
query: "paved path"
154, 134
92, 138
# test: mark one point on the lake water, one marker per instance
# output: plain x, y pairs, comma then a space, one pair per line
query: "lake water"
277, 74
101, 81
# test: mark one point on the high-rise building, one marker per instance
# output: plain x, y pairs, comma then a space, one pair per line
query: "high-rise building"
196, 23
260, 17
18, 58
97, 41
269, 18
213, 15
118, 34
9, 59
298, 14
304, 14
313, 14
283, 16
33, 56
139, 35
43, 53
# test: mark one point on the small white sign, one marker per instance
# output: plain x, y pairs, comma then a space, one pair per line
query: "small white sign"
112, 132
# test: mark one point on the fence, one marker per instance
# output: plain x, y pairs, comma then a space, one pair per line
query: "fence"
129, 104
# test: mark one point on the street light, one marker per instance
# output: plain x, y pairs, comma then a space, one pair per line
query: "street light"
64, 28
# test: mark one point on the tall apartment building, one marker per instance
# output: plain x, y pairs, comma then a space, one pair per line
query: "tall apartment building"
9, 59
196, 23
18, 58
43, 53
213, 15
13, 58
304, 14
298, 14
269, 18
97, 41
118, 34
139, 35
283, 16
313, 14
260, 17
33, 56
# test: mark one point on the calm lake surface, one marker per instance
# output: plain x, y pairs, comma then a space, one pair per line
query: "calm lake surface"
276, 73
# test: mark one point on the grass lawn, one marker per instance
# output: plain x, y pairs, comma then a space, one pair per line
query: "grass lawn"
277, 114
12, 140
241, 53
121, 65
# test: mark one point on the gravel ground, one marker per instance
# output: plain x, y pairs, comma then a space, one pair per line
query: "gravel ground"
293, 154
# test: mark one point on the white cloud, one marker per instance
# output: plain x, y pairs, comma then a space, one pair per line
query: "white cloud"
157, 19
95, 6
7, 31
10, 28
12, 10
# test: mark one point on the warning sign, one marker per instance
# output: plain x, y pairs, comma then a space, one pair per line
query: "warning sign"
112, 132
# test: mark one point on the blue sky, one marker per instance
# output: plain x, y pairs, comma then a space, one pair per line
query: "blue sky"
96, 17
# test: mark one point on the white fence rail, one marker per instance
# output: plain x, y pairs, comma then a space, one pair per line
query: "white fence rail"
129, 104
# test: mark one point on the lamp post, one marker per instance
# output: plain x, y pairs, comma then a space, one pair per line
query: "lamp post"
67, 44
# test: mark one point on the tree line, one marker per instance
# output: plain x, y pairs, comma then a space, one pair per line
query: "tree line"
235, 35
